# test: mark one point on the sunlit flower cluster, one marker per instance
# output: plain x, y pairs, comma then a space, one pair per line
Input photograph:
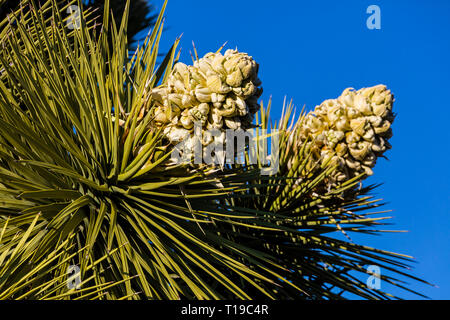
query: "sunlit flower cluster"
351, 131
218, 91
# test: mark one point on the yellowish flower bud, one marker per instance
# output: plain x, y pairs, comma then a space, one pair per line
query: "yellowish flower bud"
214, 83
235, 79
351, 131
219, 90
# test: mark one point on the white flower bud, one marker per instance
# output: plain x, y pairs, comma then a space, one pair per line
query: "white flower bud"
218, 90
351, 131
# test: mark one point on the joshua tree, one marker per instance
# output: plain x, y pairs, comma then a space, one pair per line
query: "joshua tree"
89, 184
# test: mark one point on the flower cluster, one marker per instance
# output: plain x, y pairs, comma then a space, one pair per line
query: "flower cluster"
218, 91
351, 131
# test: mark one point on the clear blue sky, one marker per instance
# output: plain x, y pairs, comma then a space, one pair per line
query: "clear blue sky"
312, 50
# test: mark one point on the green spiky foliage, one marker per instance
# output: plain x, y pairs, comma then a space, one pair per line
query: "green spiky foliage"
140, 13
79, 188
311, 213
